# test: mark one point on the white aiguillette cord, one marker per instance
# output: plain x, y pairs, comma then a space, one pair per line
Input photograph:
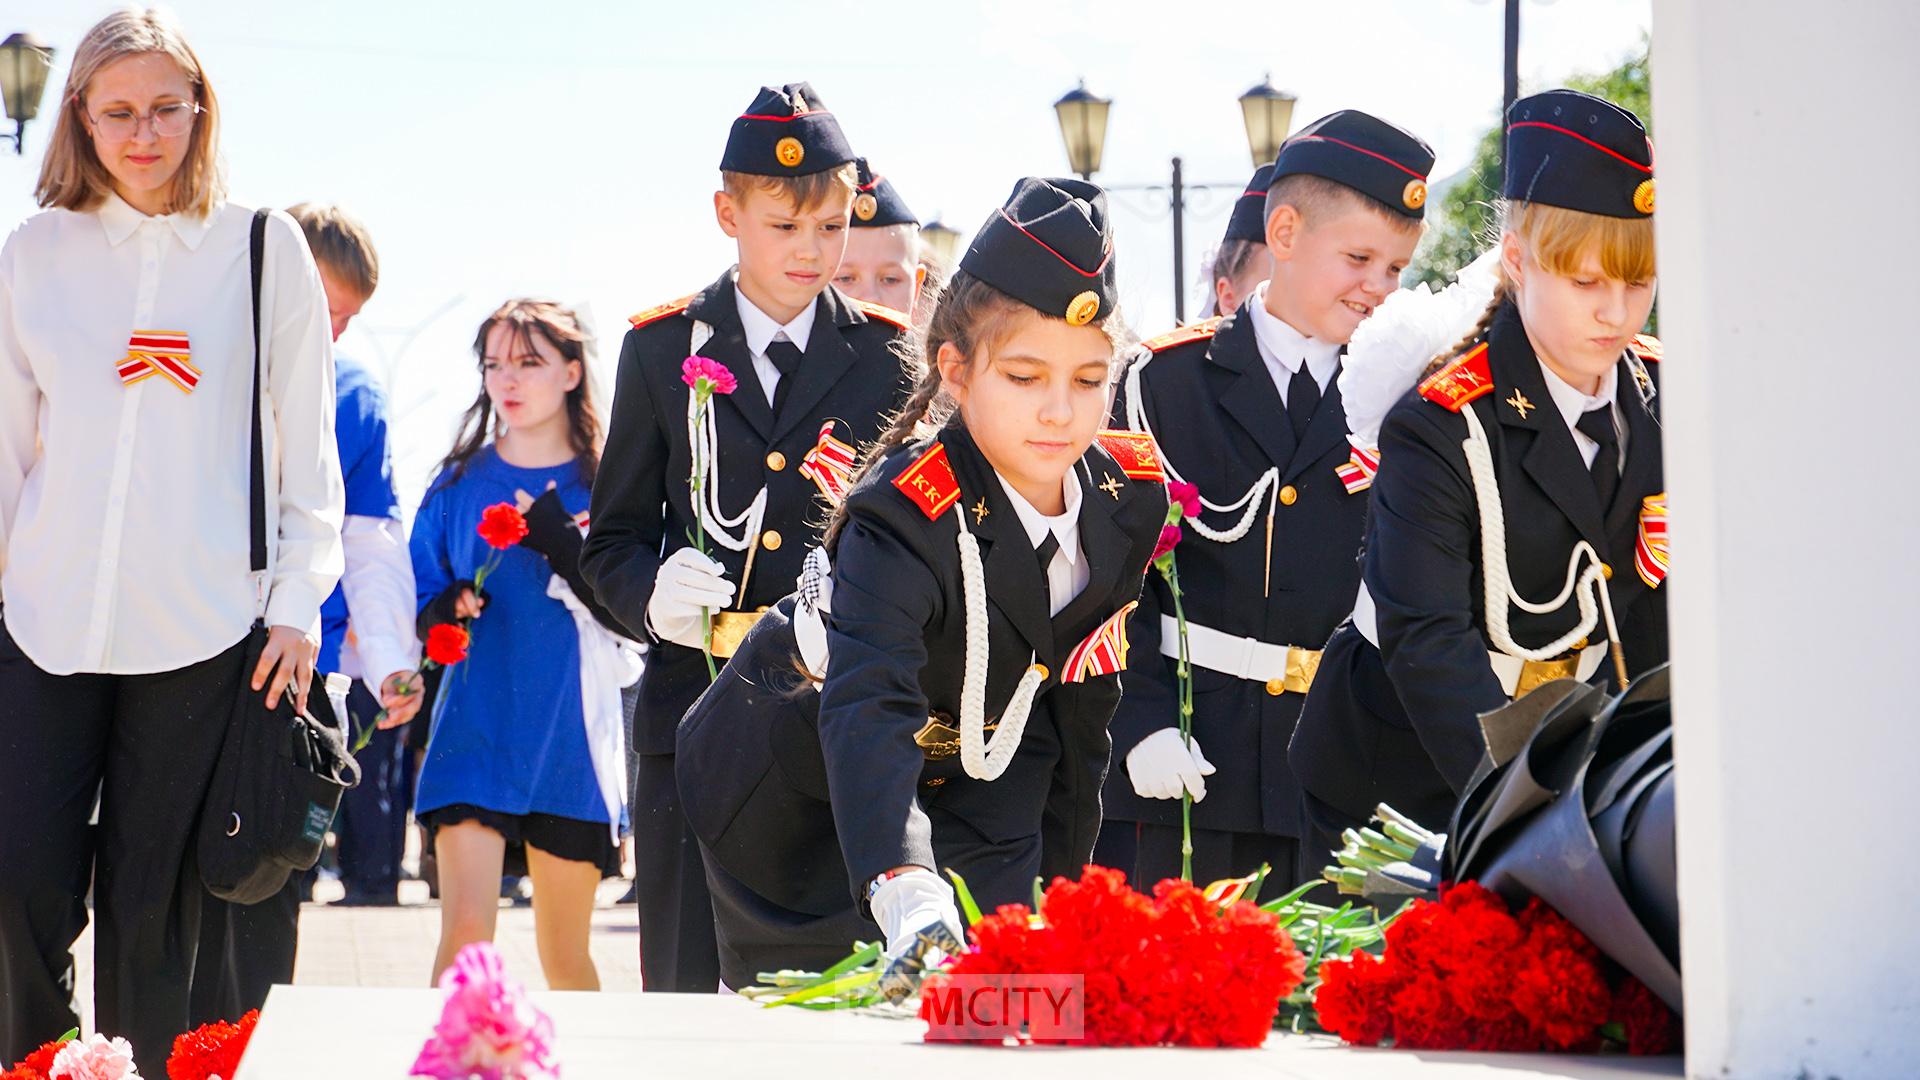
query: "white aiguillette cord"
704, 442
1268, 486
1589, 585
984, 760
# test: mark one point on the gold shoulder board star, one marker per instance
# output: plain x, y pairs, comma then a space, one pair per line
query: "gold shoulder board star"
1520, 404
980, 511
1111, 487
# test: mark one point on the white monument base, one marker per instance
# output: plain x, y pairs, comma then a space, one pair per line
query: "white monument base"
331, 1032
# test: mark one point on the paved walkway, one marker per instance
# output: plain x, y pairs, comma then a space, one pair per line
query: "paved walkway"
394, 946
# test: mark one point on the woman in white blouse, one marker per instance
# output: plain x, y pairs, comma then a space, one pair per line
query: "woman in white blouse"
125, 592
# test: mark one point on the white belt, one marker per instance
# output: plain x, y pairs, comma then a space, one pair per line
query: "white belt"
1518, 677
1282, 667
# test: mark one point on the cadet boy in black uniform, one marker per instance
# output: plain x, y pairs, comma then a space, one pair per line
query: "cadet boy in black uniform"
882, 263
1519, 515
962, 658
817, 375
1246, 407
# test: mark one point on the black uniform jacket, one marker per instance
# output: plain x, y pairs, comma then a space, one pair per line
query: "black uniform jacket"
1218, 420
1430, 676
803, 796
642, 502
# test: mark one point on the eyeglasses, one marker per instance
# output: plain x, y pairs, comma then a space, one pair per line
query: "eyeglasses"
168, 121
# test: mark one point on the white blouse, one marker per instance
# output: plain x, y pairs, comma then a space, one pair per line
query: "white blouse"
123, 499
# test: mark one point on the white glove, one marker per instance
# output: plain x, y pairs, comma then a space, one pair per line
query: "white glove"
688, 581
1161, 767
910, 902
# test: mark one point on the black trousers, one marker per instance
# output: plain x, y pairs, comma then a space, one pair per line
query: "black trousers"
1118, 847
245, 949
147, 744
677, 949
1217, 854
371, 831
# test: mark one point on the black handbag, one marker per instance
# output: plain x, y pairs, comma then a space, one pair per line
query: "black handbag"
281, 772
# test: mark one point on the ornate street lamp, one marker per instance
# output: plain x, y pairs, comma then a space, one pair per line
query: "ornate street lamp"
1083, 126
24, 63
1269, 116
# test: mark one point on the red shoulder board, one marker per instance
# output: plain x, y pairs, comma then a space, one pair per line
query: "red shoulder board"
1183, 334
1466, 378
1646, 347
1134, 452
929, 482
660, 311
884, 313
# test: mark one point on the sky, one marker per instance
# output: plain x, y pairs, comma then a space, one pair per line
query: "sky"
569, 148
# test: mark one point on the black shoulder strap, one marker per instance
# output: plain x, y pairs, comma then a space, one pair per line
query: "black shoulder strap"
257, 482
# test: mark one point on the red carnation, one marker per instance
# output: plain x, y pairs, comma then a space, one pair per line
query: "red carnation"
502, 525
695, 370
447, 643
37, 1065
211, 1050
1651, 1027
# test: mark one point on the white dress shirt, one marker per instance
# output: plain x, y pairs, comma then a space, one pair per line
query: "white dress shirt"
1572, 405
762, 330
1284, 349
123, 508
380, 600
1068, 572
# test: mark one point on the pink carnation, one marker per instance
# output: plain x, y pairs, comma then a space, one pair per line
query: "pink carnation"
1184, 495
1169, 539
488, 1030
696, 369
95, 1058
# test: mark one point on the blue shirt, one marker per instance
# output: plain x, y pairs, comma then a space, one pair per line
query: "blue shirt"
509, 729
366, 464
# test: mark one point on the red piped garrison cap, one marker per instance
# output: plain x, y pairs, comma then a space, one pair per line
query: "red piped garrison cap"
875, 203
1249, 218
1050, 247
1366, 154
787, 131
1580, 152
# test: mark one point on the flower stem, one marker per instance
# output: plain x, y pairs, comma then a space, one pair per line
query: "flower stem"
700, 530
1171, 571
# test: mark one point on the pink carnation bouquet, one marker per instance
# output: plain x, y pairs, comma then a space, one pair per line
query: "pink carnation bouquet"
488, 1030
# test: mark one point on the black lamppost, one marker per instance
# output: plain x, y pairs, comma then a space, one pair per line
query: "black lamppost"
1267, 113
24, 64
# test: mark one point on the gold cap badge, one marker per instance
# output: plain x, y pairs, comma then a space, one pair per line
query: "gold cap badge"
789, 151
865, 206
1643, 197
1083, 308
1415, 194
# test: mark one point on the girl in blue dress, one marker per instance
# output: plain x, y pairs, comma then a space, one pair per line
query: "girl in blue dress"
524, 772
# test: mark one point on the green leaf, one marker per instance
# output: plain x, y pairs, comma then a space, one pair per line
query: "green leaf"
863, 954
828, 987
967, 907
72, 1034
1039, 894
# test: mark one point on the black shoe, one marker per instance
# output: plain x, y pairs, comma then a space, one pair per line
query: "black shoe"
361, 897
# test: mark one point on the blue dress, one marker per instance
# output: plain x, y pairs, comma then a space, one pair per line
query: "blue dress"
508, 730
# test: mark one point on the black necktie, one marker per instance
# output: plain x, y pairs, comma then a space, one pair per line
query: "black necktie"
1597, 424
1045, 550
1303, 396
784, 355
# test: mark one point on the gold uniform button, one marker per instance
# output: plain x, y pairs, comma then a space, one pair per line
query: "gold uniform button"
770, 540
1606, 571
1581, 644
776, 461
1276, 687
1289, 495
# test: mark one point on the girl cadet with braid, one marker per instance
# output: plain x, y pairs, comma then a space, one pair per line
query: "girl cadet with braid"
939, 700
1519, 513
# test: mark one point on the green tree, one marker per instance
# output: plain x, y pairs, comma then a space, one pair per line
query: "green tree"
1464, 224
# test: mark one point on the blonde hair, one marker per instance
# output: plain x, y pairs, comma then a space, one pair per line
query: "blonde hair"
805, 192
975, 318
72, 177
1559, 240
340, 245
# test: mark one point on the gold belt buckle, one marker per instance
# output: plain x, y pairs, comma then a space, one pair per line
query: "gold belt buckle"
1302, 665
730, 629
1536, 673
938, 738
